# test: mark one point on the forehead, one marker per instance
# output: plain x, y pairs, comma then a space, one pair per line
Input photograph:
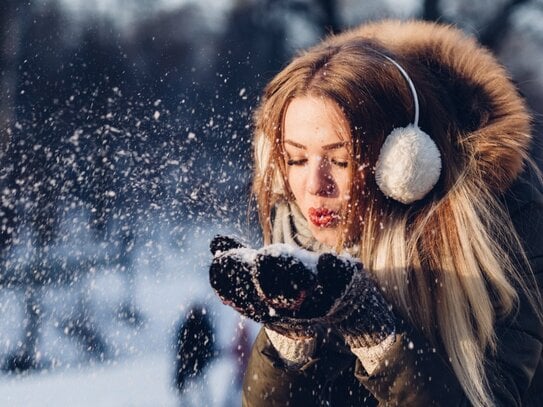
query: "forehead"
314, 121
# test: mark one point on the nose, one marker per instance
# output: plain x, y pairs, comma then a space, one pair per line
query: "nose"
320, 180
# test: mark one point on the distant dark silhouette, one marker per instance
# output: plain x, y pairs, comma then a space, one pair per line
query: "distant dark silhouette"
195, 344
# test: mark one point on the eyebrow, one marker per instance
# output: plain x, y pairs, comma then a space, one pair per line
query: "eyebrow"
327, 147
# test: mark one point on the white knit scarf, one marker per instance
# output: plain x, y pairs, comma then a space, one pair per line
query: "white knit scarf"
289, 226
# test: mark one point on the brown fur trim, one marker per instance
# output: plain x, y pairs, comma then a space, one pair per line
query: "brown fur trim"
496, 123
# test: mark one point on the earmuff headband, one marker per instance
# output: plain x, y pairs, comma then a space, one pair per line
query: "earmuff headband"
411, 86
409, 163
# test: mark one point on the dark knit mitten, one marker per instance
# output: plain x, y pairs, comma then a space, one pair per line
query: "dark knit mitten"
257, 287
361, 313
230, 275
340, 294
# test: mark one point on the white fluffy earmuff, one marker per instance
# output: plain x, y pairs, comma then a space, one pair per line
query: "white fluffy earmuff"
409, 162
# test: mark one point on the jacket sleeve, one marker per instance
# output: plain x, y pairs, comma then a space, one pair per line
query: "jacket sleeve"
413, 373
269, 382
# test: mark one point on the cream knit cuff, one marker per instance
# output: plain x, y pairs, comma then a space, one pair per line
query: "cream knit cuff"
294, 352
371, 356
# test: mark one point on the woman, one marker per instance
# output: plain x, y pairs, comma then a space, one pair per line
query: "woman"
404, 251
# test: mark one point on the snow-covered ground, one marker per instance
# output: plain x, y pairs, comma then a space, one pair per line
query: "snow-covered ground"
139, 367
141, 381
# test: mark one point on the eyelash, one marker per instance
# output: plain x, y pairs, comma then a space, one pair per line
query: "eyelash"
341, 164
296, 162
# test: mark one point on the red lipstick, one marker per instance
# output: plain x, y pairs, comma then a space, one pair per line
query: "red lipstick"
323, 217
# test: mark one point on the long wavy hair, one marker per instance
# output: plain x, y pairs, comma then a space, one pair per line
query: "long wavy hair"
445, 262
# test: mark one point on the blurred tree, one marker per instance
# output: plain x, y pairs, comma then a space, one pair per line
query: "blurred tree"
13, 14
330, 20
497, 28
430, 10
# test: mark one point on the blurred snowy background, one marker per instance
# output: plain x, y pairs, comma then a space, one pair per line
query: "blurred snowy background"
124, 135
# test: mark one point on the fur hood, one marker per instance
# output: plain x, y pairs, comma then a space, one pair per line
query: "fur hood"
495, 130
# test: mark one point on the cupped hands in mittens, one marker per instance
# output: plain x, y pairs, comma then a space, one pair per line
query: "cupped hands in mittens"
277, 280
293, 291
258, 285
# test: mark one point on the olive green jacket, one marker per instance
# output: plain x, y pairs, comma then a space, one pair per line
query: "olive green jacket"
414, 373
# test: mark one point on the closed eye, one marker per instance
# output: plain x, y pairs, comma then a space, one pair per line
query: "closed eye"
339, 163
292, 162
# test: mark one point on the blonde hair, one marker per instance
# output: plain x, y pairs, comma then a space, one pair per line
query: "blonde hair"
448, 263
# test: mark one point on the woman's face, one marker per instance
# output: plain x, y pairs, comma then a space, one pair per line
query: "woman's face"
316, 143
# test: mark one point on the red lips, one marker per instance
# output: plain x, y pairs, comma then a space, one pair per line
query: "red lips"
323, 217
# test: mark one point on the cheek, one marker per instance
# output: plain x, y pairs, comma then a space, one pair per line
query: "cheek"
343, 184
345, 190
296, 182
